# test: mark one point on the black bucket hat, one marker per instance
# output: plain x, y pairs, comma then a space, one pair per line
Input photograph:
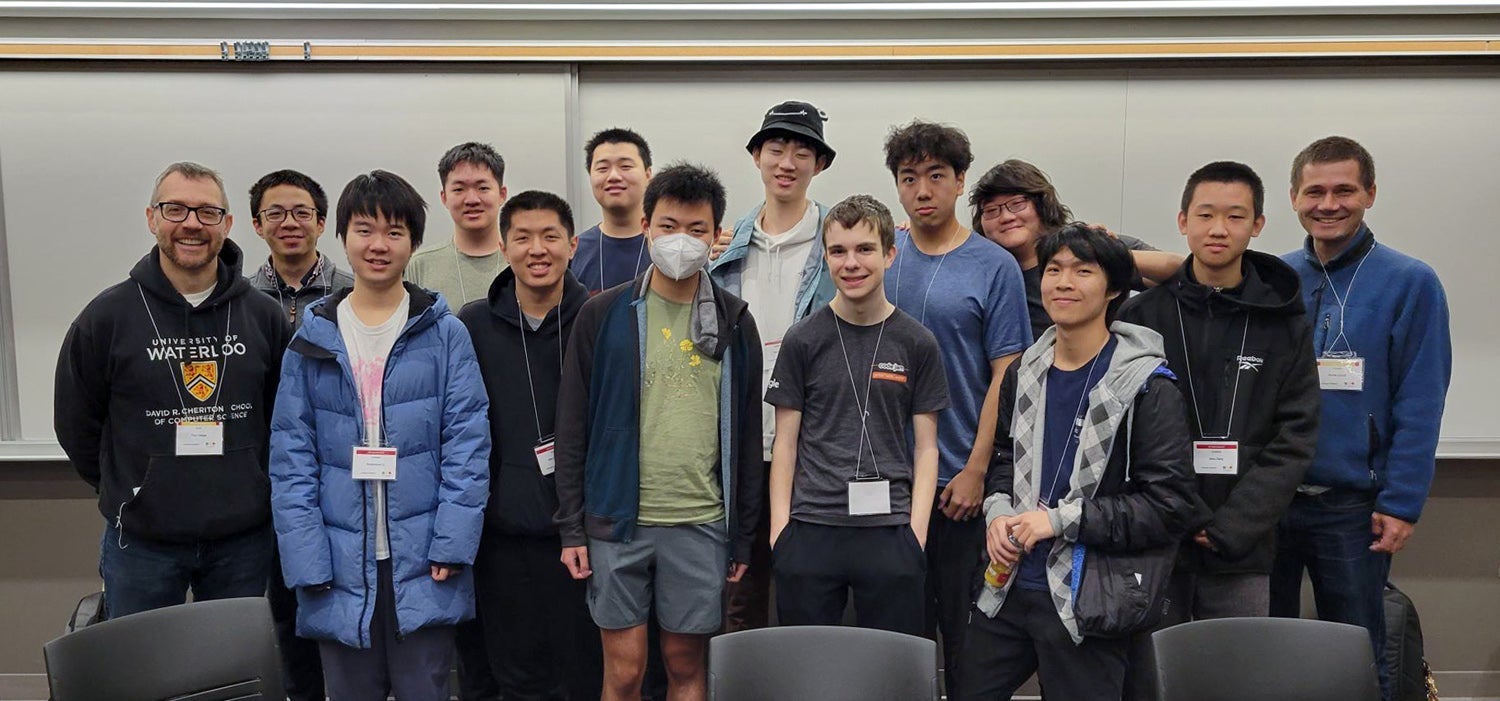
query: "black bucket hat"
798, 119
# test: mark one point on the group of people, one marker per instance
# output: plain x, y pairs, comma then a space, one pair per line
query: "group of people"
564, 460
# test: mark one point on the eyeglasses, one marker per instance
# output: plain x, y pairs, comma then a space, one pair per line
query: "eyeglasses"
276, 215
1014, 206
207, 216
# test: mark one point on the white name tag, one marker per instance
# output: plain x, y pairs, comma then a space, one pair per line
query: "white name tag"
1216, 457
546, 459
869, 497
200, 438
1341, 374
374, 463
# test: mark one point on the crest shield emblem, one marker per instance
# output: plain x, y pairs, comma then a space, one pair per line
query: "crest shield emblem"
201, 379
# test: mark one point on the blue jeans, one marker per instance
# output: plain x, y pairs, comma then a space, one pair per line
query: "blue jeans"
141, 574
1329, 535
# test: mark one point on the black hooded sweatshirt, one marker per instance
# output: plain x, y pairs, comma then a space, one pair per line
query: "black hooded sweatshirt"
139, 359
522, 500
1256, 335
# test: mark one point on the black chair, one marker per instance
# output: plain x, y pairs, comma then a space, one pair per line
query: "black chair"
1245, 659
828, 663
221, 650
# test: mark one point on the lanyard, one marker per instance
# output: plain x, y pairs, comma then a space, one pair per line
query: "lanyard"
223, 369
1193, 393
638, 253
900, 265
1342, 301
526, 356
1073, 434
457, 268
864, 407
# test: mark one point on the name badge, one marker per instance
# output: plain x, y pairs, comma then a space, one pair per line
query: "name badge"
200, 438
546, 459
1341, 374
869, 497
1216, 457
374, 463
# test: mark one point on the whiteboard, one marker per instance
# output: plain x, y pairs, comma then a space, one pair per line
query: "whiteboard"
80, 146
1120, 143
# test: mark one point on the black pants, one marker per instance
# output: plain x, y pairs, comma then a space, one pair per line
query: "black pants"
955, 554
1027, 637
747, 603
816, 567
301, 666
541, 642
475, 683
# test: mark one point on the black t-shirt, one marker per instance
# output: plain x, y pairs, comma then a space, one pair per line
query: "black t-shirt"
827, 381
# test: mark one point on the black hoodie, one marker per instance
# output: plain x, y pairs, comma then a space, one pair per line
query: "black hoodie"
1275, 409
522, 500
137, 360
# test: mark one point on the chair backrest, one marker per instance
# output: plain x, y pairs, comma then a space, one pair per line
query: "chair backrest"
829, 663
1244, 659
221, 650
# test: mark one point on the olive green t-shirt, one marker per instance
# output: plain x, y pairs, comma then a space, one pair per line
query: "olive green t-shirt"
679, 422
461, 278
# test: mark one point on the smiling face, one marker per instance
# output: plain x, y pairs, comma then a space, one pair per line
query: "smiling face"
1331, 200
189, 245
856, 260
929, 190
1012, 221
1219, 224
618, 176
787, 167
1074, 293
473, 197
378, 249
288, 238
538, 247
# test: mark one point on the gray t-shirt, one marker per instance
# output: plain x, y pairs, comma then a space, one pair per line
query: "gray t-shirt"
813, 376
461, 278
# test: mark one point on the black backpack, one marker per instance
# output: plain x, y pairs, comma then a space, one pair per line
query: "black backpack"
1411, 678
90, 610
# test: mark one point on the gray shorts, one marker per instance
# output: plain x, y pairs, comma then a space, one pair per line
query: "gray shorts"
680, 568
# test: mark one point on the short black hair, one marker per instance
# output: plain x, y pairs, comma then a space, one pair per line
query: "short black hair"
616, 135
1092, 244
288, 177
919, 141
473, 153
381, 193
1227, 172
687, 183
531, 201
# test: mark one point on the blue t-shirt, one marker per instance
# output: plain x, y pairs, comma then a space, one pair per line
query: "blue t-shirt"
974, 301
1067, 402
622, 259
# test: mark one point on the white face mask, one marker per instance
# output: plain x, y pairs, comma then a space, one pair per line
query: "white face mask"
678, 256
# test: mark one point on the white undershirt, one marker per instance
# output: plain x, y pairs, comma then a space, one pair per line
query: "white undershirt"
369, 347
198, 298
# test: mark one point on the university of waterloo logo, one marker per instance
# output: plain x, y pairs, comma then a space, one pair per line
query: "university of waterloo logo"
201, 378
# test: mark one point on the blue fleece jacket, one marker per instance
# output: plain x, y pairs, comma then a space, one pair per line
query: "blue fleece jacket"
1394, 315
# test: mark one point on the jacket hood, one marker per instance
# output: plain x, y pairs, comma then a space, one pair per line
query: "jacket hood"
502, 298
798, 234
1138, 353
1270, 285
715, 314
322, 326
149, 275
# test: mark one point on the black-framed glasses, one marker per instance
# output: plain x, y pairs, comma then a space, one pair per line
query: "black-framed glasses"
276, 215
1014, 206
207, 215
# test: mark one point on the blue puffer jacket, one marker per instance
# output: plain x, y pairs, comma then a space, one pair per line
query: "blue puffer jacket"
434, 411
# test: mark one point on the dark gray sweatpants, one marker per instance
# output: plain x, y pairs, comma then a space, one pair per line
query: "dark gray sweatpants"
414, 667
